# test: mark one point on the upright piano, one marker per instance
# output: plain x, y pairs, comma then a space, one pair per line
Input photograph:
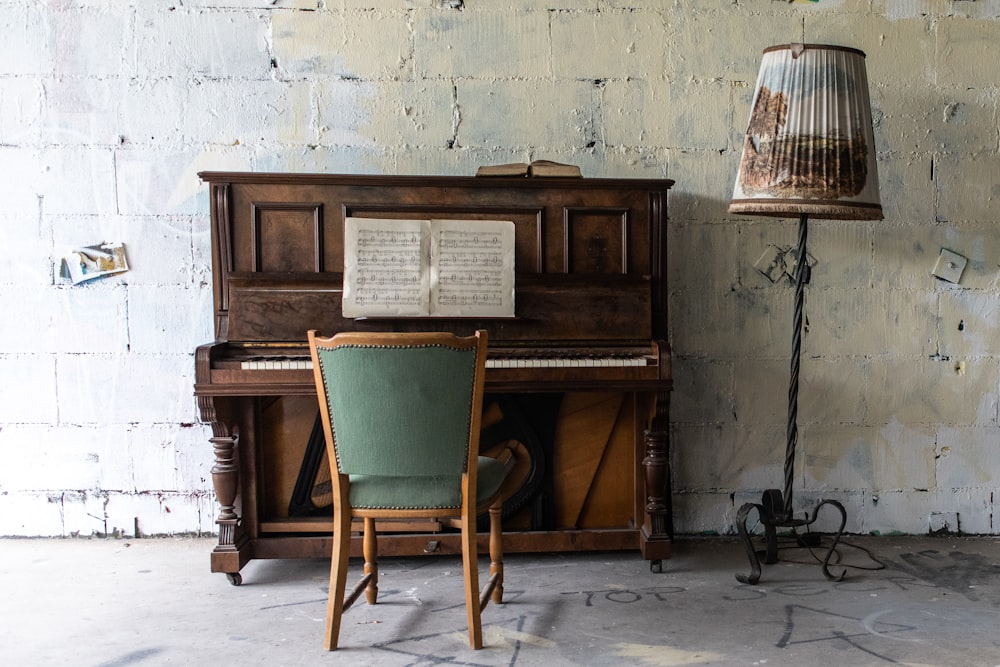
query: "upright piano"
578, 381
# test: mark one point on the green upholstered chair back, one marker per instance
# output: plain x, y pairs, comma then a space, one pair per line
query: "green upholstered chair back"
400, 410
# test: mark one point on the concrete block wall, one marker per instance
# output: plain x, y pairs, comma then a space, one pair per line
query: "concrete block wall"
109, 108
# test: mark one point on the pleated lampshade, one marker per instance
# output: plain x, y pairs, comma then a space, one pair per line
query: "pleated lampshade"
809, 147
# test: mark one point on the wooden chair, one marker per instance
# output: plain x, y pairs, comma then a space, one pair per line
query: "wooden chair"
402, 414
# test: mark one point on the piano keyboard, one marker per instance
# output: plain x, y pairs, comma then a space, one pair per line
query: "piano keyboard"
291, 363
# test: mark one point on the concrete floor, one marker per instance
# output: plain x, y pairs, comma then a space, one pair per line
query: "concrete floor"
116, 602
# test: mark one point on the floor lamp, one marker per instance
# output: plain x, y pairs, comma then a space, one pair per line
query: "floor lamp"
808, 152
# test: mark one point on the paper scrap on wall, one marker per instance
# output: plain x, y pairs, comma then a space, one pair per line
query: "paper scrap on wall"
89, 262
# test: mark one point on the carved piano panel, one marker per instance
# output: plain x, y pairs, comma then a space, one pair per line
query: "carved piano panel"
584, 357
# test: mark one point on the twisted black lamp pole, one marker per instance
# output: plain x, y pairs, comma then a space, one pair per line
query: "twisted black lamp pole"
792, 432
775, 509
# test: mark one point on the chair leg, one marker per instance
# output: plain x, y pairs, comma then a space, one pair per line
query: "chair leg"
370, 548
338, 575
496, 550
470, 564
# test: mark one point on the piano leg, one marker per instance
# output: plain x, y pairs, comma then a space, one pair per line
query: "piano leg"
227, 556
657, 531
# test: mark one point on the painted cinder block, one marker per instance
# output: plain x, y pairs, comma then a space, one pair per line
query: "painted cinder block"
27, 49
968, 195
907, 193
905, 254
838, 457
626, 162
631, 44
165, 254
20, 111
761, 390
724, 42
703, 392
970, 325
28, 399
906, 119
704, 513
688, 126
546, 113
708, 323
483, 45
167, 319
137, 127
293, 40
635, 112
386, 32
961, 46
311, 160
116, 389
165, 182
903, 456
53, 458
194, 455
352, 37
842, 250
867, 322
90, 41
77, 180
762, 323
689, 245
929, 390
85, 319
192, 43
908, 511
704, 185
896, 11
170, 460
966, 457
727, 457
899, 51
352, 113
154, 514
345, 118
822, 398
962, 119
281, 112
30, 515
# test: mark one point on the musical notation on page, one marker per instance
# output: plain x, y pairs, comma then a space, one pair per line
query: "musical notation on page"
441, 268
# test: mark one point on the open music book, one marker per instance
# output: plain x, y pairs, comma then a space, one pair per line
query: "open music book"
428, 268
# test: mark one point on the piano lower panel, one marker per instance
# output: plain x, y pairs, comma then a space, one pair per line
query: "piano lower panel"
595, 488
593, 462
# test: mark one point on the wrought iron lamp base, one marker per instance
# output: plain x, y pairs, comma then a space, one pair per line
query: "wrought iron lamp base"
772, 515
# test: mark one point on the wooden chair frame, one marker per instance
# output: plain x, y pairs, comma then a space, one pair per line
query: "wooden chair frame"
465, 519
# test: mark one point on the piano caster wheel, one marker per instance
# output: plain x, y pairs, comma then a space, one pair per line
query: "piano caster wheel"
656, 566
235, 578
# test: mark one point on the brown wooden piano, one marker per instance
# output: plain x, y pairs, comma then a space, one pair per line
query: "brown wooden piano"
578, 380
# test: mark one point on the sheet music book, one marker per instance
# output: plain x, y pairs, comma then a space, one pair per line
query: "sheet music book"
428, 268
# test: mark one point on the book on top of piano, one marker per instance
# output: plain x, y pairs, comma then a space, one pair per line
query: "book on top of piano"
428, 268
543, 168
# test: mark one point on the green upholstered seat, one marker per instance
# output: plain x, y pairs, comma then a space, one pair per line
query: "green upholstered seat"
412, 492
